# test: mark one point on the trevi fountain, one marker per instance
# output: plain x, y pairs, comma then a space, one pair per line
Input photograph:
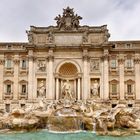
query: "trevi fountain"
69, 82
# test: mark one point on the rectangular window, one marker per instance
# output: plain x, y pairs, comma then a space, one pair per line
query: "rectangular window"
114, 88
8, 63
23, 64
129, 89
23, 89
7, 108
129, 63
8, 88
113, 63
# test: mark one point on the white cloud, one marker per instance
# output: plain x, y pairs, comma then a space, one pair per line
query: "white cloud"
121, 16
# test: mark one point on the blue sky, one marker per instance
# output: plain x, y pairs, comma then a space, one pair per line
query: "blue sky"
121, 16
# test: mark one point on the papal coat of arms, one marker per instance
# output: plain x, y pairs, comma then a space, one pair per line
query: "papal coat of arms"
68, 20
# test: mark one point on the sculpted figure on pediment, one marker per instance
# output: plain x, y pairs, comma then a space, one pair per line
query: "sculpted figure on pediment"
68, 20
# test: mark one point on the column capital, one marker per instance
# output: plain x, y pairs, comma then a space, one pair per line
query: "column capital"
2, 61
56, 75
121, 61
105, 57
137, 60
16, 61
50, 57
86, 57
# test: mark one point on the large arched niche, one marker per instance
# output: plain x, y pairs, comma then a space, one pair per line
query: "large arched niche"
68, 71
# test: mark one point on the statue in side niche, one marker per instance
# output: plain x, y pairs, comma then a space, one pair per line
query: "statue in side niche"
41, 89
95, 88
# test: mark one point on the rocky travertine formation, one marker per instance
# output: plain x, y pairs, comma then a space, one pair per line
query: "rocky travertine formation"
71, 115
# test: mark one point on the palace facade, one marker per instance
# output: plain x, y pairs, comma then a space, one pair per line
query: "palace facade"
69, 61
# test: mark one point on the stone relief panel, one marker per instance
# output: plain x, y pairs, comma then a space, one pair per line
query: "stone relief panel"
96, 38
68, 39
94, 65
41, 65
41, 39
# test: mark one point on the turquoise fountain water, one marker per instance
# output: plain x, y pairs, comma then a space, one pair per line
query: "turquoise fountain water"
45, 135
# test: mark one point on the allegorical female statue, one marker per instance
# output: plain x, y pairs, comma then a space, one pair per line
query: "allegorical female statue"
41, 89
95, 88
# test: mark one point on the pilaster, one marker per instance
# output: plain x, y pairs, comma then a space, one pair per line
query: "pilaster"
106, 75
16, 75
1, 76
121, 77
85, 74
30, 75
137, 76
51, 94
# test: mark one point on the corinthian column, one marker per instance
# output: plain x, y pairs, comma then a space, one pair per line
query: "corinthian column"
30, 75
1, 76
121, 77
137, 76
106, 75
79, 88
57, 88
51, 85
16, 75
85, 77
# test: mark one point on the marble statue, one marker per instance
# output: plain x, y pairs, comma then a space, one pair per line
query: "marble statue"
66, 90
30, 36
95, 88
50, 37
41, 88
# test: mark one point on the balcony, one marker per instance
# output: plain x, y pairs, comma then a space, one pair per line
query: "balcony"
9, 71
114, 96
8, 95
113, 70
23, 96
129, 69
23, 70
129, 96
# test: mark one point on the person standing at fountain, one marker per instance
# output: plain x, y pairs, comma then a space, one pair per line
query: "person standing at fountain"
66, 90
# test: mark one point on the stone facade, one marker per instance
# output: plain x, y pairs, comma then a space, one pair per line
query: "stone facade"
95, 68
